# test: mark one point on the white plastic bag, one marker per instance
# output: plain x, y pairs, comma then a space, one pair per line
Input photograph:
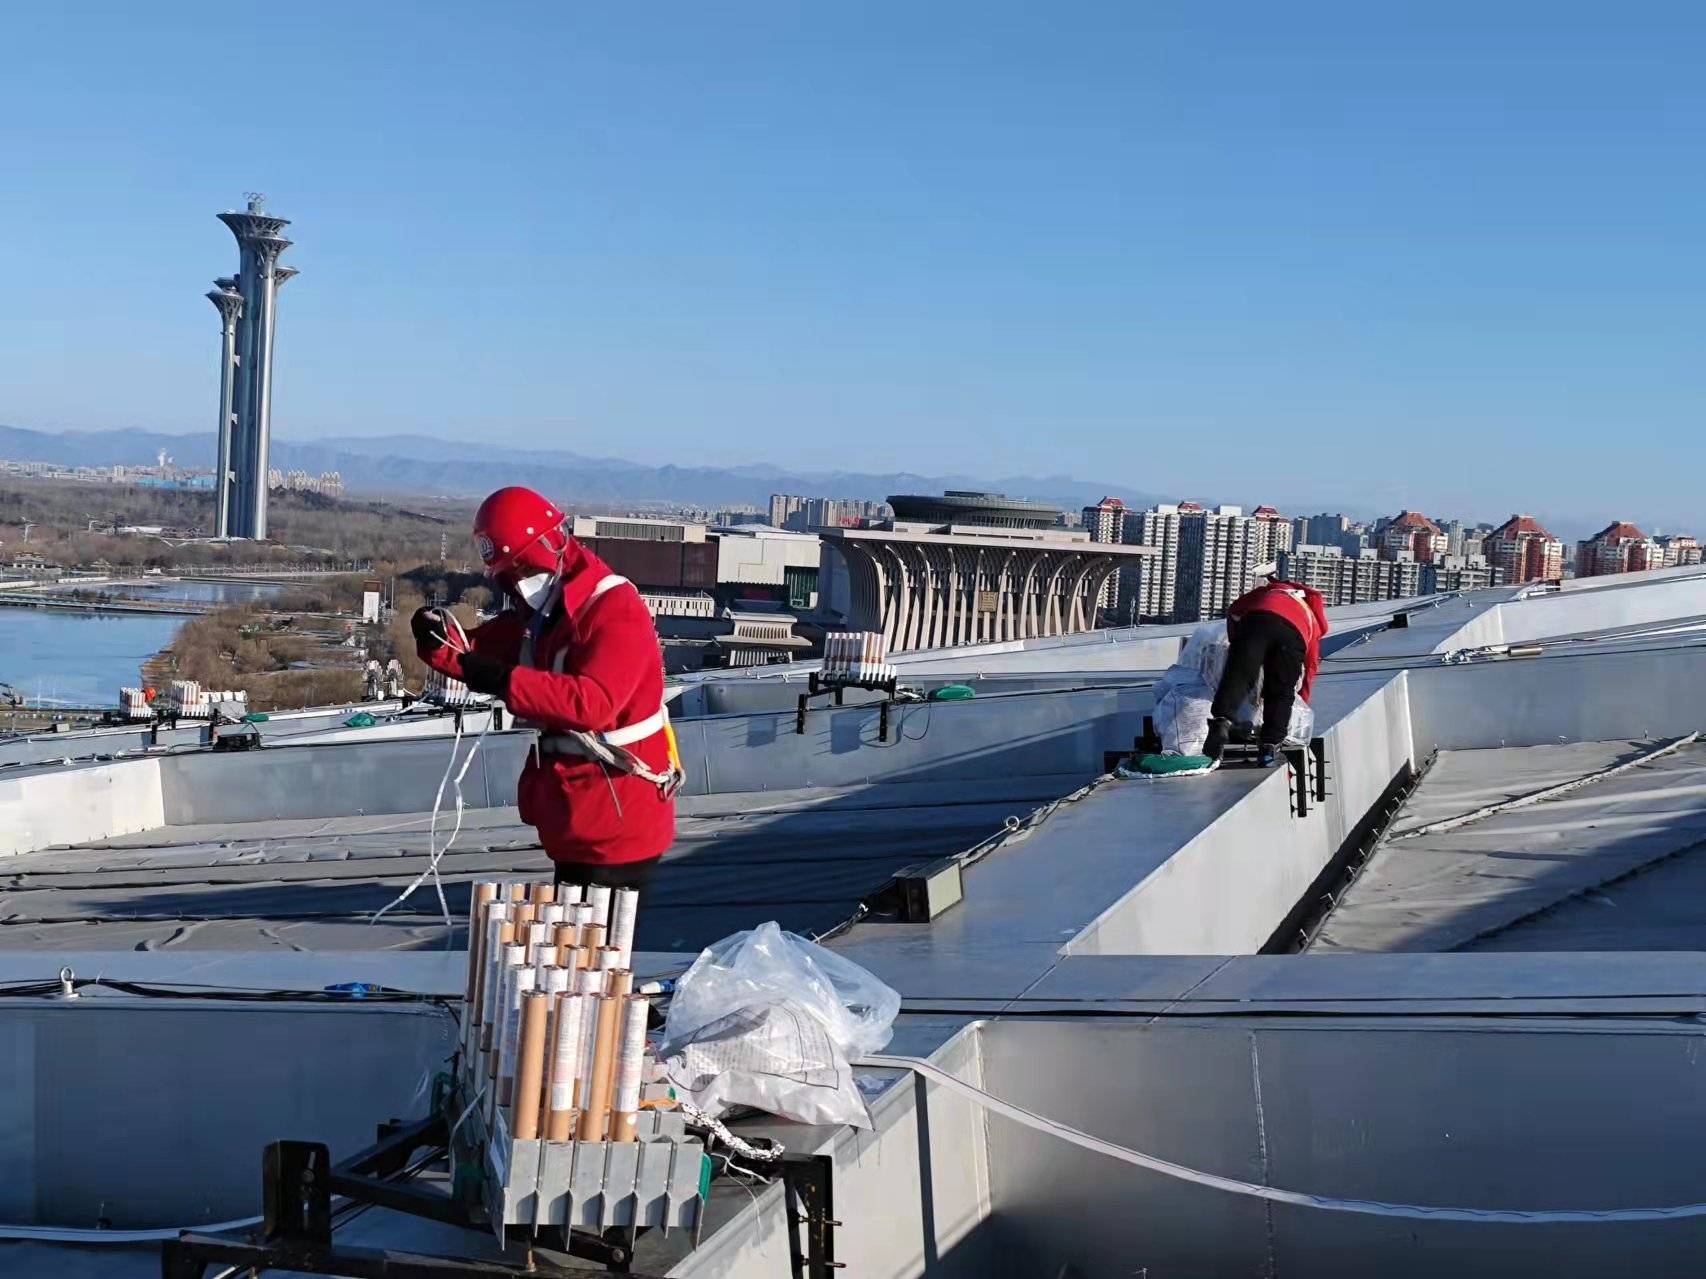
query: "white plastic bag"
768, 1019
773, 1058
1185, 693
767, 965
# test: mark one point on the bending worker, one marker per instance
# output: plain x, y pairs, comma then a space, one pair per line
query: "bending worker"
577, 657
1276, 633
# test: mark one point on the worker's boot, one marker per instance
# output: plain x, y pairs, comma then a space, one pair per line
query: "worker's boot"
1215, 744
1268, 757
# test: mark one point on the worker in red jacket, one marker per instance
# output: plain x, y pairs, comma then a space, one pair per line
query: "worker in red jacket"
1276, 633
578, 659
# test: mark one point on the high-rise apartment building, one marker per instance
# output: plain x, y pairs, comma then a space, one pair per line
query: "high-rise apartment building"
1105, 522
1274, 534
1321, 530
1679, 549
1149, 588
1619, 547
1410, 532
1359, 578
803, 514
1525, 550
1219, 553
1459, 573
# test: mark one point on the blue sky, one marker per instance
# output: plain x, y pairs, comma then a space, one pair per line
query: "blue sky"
1444, 255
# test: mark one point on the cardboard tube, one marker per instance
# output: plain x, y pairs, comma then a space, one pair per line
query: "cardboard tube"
563, 1097
523, 913
553, 981
529, 1066
569, 894
521, 981
630, 1064
595, 1115
624, 913
554, 914
483, 896
599, 896
619, 982
608, 957
514, 958
588, 983
571, 957
518, 891
542, 892
592, 936
548, 956
499, 931
537, 935
581, 914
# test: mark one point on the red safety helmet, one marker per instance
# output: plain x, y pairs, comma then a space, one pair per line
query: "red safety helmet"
515, 528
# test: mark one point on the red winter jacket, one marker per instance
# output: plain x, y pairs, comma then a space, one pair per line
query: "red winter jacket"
1302, 606
612, 676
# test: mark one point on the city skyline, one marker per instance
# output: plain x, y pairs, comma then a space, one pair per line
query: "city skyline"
1335, 259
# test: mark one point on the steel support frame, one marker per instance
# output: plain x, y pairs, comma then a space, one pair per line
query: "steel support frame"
298, 1181
887, 687
808, 1183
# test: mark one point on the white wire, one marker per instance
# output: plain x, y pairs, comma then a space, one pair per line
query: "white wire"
66, 1234
1327, 1203
436, 854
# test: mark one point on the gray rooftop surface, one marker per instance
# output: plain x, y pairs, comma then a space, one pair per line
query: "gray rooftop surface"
803, 858
1593, 868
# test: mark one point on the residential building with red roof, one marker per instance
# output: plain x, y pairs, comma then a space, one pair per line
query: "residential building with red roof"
1412, 533
1619, 547
1526, 551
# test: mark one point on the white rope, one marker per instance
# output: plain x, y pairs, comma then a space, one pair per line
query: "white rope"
1327, 1203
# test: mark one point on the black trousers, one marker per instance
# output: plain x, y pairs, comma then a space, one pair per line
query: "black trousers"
621, 875
1263, 644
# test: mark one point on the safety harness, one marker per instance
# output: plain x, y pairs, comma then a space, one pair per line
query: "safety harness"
609, 748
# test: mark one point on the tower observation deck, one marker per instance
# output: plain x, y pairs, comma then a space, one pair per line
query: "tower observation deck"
247, 305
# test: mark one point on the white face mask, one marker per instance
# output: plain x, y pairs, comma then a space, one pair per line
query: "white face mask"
535, 590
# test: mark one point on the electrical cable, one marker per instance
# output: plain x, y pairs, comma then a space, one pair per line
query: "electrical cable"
435, 854
71, 1234
1232, 1185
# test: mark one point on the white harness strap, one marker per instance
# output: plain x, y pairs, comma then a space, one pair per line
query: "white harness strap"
611, 747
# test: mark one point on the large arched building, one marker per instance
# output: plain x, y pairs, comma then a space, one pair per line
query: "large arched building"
969, 568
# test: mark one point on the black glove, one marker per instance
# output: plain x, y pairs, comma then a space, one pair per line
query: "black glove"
429, 631
484, 674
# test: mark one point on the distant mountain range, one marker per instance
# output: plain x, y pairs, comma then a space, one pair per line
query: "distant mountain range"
423, 465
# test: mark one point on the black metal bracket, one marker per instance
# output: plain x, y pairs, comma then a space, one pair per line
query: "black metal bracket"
1296, 759
1150, 742
298, 1181
815, 689
808, 1182
1318, 751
